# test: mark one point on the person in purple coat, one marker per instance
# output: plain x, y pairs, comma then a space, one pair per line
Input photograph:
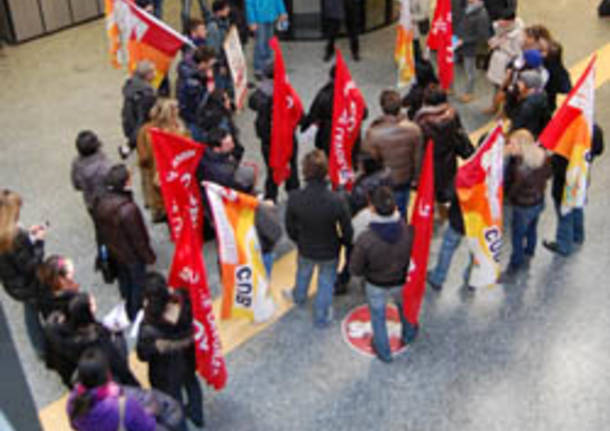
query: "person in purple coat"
99, 404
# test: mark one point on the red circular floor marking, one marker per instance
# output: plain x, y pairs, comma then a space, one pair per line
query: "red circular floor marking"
358, 332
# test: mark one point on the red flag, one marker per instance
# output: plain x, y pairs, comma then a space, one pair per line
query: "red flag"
287, 112
422, 220
440, 39
348, 111
188, 271
176, 158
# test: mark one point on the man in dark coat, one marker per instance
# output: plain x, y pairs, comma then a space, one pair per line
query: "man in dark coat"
89, 168
382, 256
318, 221
121, 229
335, 12
138, 99
532, 109
261, 101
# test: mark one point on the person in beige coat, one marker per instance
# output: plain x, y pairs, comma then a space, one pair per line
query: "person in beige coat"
165, 116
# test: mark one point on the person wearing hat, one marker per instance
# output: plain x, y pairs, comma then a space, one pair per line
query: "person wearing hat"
121, 229
381, 255
532, 110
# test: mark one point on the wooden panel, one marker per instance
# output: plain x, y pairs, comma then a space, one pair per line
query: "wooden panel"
84, 9
25, 16
56, 14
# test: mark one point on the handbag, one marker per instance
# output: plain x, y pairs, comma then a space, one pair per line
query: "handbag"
105, 264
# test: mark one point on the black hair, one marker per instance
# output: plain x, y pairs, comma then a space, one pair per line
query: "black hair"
382, 199
93, 371
79, 311
390, 102
87, 143
157, 296
508, 14
216, 136
117, 177
203, 53
143, 3
434, 95
219, 5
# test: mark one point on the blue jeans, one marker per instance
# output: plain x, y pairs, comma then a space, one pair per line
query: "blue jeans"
131, 279
524, 227
262, 50
402, 196
327, 273
377, 297
570, 229
451, 241
268, 262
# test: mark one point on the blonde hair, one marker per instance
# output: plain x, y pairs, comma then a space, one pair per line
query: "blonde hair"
532, 155
165, 116
10, 204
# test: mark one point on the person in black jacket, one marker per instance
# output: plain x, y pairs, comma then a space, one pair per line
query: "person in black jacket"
261, 101
166, 342
532, 110
121, 229
559, 79
336, 11
138, 99
570, 226
21, 252
56, 276
318, 221
69, 336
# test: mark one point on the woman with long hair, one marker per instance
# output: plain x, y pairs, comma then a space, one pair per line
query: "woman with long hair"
526, 175
164, 116
166, 342
69, 336
21, 252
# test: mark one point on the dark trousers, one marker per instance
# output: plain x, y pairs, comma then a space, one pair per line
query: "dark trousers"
193, 409
351, 24
292, 183
131, 283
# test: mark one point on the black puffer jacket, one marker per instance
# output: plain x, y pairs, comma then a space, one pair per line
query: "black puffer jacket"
18, 268
442, 124
171, 366
66, 345
318, 220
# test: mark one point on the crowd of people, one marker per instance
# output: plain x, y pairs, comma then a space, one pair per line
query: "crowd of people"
370, 223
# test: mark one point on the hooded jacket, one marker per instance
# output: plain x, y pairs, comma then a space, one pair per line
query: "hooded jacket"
442, 124
382, 252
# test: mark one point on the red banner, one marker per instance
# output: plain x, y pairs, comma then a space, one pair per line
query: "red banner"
176, 158
348, 111
188, 272
440, 39
422, 220
287, 112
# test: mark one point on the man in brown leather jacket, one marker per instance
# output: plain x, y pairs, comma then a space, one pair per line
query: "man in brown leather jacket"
397, 143
121, 229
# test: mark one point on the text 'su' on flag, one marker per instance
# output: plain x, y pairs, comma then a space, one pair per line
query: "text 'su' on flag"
570, 134
136, 35
479, 185
423, 223
245, 280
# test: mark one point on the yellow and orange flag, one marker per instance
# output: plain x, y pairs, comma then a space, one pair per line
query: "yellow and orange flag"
570, 134
479, 184
403, 53
135, 35
245, 280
